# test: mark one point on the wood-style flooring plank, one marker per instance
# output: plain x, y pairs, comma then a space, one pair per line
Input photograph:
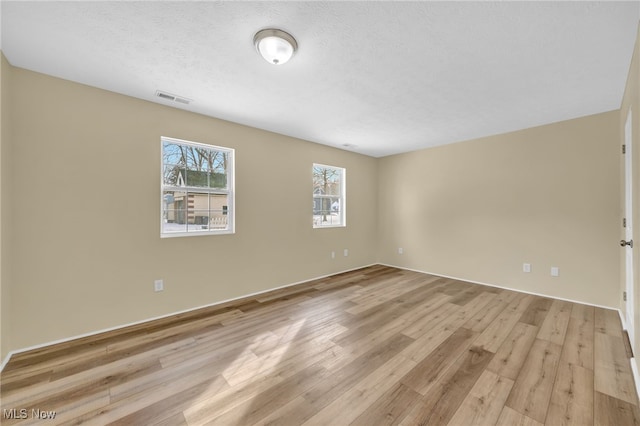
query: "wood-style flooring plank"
482, 319
264, 403
510, 417
456, 287
99, 378
417, 305
513, 351
506, 296
426, 323
65, 411
466, 296
484, 403
330, 388
495, 333
427, 372
390, 408
361, 396
537, 311
532, 390
610, 411
138, 401
445, 396
370, 300
454, 389
612, 372
175, 420
607, 321
578, 343
555, 324
457, 316
172, 407
572, 397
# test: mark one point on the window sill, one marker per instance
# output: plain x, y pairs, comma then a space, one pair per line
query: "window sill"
196, 234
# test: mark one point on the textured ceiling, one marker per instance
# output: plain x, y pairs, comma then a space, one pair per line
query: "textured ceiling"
387, 77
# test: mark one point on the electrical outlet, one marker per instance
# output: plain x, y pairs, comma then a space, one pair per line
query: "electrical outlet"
400, 250
333, 254
526, 267
346, 252
158, 285
555, 271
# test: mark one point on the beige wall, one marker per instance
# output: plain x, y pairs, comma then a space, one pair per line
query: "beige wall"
5, 192
90, 155
475, 210
631, 99
478, 210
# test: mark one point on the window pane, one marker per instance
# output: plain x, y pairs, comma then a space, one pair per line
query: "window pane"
218, 211
198, 220
219, 162
195, 157
174, 214
218, 221
174, 200
205, 168
327, 181
172, 153
174, 221
217, 180
197, 201
328, 219
217, 167
218, 202
327, 211
197, 178
173, 175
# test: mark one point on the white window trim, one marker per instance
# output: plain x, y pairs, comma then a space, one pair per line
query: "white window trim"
343, 196
230, 191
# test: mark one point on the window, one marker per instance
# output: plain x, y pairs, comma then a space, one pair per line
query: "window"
197, 189
328, 196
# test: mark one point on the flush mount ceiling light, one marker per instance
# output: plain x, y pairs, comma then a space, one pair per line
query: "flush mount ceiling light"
275, 46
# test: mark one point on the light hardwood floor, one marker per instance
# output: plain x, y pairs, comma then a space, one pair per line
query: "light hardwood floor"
376, 346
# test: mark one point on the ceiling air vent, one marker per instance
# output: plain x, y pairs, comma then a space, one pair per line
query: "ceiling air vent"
174, 98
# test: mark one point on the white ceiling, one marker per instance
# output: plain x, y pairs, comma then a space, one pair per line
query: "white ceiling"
387, 77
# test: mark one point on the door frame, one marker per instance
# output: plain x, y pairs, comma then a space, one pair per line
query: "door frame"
629, 216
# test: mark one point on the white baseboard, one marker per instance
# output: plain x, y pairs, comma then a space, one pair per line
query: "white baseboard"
636, 376
5, 360
499, 286
105, 330
623, 320
632, 360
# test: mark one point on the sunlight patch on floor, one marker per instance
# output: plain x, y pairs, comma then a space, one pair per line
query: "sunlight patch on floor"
269, 348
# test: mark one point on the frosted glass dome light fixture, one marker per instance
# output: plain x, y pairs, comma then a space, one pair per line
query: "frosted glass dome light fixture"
275, 46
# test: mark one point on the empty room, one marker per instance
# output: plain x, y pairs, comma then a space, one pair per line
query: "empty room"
319, 213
